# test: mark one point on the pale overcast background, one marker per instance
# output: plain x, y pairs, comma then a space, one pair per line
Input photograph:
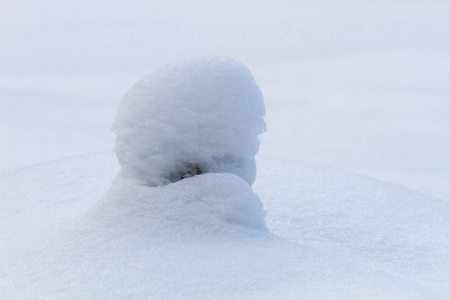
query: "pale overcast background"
354, 85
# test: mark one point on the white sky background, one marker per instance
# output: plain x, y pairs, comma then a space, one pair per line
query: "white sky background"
358, 85
54, 37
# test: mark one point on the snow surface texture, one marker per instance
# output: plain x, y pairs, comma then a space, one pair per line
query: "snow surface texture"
334, 235
198, 116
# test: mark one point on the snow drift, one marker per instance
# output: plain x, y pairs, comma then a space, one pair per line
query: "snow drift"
335, 235
203, 203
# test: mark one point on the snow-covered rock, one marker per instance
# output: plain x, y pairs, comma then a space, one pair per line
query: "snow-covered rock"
187, 136
197, 116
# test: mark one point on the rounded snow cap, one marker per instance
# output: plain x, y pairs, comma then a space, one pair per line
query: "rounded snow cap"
197, 116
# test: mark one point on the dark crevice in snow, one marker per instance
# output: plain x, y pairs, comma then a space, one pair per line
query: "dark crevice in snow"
217, 165
189, 170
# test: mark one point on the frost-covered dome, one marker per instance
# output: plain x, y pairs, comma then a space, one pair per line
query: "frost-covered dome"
198, 116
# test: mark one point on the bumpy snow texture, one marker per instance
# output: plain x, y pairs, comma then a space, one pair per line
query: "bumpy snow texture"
198, 116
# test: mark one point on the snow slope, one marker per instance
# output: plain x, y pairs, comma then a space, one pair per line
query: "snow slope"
383, 114
331, 234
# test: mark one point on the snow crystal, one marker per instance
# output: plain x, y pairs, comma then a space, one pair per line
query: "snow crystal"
198, 116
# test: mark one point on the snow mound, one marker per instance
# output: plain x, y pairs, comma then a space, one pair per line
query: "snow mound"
333, 235
198, 116
196, 120
204, 203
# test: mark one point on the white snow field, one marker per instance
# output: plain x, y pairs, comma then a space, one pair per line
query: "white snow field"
331, 235
193, 227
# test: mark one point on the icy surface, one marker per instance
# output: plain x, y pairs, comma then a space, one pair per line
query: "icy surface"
332, 235
197, 116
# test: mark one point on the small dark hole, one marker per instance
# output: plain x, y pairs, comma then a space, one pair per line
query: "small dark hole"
187, 171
